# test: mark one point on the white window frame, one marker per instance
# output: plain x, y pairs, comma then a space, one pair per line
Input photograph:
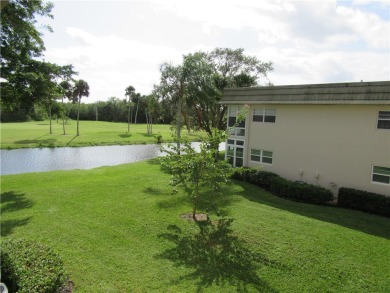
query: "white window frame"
264, 113
373, 172
262, 156
235, 143
238, 131
382, 119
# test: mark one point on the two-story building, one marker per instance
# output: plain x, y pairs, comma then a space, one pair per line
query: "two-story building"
333, 135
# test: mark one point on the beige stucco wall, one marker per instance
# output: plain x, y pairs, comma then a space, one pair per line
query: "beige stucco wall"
340, 143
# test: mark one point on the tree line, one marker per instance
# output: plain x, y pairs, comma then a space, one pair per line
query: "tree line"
187, 93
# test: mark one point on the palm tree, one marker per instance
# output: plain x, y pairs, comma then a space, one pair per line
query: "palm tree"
129, 91
66, 88
136, 99
80, 89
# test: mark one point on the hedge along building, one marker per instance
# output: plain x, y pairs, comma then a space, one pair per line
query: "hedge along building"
333, 135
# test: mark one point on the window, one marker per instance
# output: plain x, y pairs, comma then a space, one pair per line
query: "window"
236, 130
264, 115
381, 175
384, 120
261, 156
235, 152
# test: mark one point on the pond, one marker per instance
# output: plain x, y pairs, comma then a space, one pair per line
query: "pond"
68, 158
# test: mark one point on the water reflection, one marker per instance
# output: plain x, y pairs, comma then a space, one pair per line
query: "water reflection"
68, 158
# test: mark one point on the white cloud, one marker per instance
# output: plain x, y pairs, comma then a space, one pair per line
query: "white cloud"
308, 41
304, 67
368, 26
110, 63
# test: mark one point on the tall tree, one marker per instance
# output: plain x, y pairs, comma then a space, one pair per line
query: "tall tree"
172, 87
45, 83
21, 48
202, 78
129, 91
81, 89
227, 68
151, 111
198, 172
66, 92
136, 99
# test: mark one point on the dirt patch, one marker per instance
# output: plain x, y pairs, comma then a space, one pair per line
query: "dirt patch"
199, 217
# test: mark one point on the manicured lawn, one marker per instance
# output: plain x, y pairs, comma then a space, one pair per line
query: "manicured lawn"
113, 228
36, 134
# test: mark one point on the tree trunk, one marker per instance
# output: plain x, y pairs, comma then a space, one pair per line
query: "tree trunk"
78, 116
147, 122
186, 120
50, 120
195, 205
178, 125
221, 125
136, 113
128, 119
195, 202
63, 118
199, 117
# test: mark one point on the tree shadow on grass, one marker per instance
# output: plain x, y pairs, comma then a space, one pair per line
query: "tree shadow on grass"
12, 202
146, 134
356, 220
215, 256
125, 135
69, 142
49, 141
8, 226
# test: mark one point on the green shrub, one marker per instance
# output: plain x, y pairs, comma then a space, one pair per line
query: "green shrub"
299, 191
27, 266
283, 188
242, 173
158, 138
254, 176
364, 201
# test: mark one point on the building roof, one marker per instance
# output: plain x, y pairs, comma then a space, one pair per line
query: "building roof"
365, 93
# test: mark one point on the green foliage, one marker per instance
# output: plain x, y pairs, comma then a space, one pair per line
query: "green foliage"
198, 84
106, 222
281, 187
26, 80
20, 37
301, 192
16, 115
254, 176
159, 138
365, 201
197, 171
152, 110
129, 91
28, 266
80, 89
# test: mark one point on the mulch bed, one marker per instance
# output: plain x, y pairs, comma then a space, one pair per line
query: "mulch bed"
199, 217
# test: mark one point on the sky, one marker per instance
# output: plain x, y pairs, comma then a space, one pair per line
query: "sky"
117, 43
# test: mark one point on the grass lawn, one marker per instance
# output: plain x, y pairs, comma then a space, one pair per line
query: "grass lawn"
36, 134
112, 226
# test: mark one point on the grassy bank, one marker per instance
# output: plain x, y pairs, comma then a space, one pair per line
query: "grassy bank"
112, 227
36, 134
